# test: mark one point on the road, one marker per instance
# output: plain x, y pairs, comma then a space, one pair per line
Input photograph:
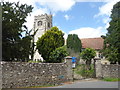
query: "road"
90, 84
81, 84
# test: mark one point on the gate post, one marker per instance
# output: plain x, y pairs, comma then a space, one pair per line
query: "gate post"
68, 61
0, 75
98, 67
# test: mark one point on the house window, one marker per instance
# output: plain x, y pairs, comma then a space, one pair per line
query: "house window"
100, 55
39, 23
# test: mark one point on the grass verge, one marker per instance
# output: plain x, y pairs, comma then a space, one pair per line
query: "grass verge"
43, 86
111, 79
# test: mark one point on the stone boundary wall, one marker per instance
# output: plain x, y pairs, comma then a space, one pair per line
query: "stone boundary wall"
111, 71
106, 70
23, 74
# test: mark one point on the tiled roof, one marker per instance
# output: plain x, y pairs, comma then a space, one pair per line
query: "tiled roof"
95, 43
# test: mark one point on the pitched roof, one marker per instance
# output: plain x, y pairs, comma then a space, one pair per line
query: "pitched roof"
95, 43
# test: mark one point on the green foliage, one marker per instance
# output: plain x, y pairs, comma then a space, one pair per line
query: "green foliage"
81, 70
25, 48
74, 43
112, 39
58, 55
15, 47
74, 46
112, 54
88, 54
51, 40
111, 79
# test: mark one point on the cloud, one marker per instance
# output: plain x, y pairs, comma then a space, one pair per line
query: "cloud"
65, 35
48, 5
105, 12
67, 17
30, 18
28, 2
88, 32
53, 5
57, 5
106, 9
106, 21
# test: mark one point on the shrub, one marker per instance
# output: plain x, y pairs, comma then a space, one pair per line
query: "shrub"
58, 55
49, 41
81, 70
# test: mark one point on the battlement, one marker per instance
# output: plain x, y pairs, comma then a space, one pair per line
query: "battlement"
43, 16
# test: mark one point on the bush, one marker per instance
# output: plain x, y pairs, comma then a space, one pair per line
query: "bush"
81, 70
88, 54
49, 41
58, 55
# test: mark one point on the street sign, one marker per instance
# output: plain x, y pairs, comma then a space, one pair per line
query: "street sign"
73, 65
73, 59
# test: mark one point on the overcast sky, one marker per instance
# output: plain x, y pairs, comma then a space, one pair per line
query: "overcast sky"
87, 18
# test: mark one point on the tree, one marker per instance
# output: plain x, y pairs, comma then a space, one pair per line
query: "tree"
74, 45
88, 54
49, 41
15, 46
74, 42
58, 55
112, 38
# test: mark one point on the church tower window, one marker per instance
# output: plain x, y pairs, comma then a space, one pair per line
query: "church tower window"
39, 23
48, 25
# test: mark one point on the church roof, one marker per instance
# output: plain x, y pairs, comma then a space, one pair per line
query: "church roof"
95, 43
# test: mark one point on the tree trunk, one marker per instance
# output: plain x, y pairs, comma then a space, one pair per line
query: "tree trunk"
88, 63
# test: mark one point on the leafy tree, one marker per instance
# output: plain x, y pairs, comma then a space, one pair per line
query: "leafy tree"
88, 54
58, 55
112, 38
15, 46
74, 46
25, 48
49, 41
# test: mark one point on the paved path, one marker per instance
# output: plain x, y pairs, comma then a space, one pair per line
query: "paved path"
82, 84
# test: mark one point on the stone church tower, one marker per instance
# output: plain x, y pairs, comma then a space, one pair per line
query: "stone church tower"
43, 23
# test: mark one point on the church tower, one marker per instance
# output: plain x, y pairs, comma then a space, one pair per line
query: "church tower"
42, 23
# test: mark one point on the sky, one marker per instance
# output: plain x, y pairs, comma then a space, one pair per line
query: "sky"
86, 18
